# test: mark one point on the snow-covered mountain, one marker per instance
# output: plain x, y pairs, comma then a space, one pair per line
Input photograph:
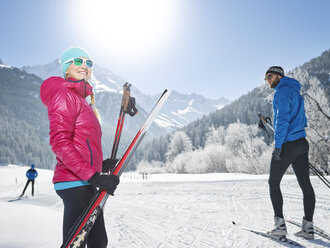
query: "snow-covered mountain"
179, 110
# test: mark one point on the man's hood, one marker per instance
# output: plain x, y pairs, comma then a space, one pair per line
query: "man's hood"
291, 82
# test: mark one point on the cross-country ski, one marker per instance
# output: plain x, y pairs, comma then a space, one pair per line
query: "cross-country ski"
317, 230
280, 239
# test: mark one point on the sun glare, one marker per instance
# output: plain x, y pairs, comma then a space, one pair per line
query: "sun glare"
127, 29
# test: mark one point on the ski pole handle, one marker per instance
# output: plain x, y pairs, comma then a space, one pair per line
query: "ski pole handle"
265, 121
126, 96
262, 118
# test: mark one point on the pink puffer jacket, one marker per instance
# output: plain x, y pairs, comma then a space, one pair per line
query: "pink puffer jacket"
75, 132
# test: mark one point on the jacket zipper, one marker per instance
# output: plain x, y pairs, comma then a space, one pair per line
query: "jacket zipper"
90, 150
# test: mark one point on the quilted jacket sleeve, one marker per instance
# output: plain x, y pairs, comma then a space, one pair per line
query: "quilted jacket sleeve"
62, 112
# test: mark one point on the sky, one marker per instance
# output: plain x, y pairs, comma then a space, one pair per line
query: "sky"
213, 48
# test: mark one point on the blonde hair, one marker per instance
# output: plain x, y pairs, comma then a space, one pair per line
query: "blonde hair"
92, 96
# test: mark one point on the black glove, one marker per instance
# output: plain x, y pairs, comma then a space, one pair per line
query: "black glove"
105, 182
261, 125
108, 165
276, 154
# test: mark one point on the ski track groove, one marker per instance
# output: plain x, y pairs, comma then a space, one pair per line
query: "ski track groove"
155, 236
175, 214
135, 238
171, 230
196, 240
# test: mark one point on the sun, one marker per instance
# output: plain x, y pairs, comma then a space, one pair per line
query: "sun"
127, 29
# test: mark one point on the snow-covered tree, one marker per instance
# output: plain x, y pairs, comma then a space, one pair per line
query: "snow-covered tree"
235, 149
247, 149
210, 159
216, 136
153, 167
179, 143
215, 157
180, 163
317, 111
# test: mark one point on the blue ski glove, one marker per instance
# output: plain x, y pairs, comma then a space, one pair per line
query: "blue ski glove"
108, 165
276, 154
105, 182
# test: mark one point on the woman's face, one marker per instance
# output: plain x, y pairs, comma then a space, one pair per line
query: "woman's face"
79, 72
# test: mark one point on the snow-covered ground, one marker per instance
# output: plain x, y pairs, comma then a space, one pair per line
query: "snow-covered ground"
164, 211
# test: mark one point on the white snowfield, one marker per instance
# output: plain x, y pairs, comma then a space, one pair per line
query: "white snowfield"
164, 211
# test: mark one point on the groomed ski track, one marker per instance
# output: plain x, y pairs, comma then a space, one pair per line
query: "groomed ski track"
165, 211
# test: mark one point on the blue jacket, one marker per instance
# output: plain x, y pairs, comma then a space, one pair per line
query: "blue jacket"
289, 112
31, 173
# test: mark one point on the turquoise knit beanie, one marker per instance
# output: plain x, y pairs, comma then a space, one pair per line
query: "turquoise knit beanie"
72, 52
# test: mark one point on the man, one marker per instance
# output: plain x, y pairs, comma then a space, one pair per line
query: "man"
291, 147
31, 174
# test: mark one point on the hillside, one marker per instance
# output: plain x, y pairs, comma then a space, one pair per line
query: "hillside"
24, 120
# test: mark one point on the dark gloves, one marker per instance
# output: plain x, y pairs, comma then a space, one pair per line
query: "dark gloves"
105, 182
261, 125
276, 154
108, 165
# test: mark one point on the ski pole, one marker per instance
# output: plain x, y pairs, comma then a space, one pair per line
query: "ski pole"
85, 222
319, 174
265, 121
121, 119
322, 178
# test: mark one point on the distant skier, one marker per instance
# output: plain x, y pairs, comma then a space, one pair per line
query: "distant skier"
31, 174
291, 147
75, 138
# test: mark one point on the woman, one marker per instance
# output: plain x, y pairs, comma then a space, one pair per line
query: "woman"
75, 138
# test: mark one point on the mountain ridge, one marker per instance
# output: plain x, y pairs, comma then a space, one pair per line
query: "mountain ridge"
192, 106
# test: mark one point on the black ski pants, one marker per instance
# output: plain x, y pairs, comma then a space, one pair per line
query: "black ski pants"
75, 201
26, 185
295, 153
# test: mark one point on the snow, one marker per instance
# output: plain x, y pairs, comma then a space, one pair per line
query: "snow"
189, 109
100, 87
218, 107
166, 210
163, 123
166, 121
5, 66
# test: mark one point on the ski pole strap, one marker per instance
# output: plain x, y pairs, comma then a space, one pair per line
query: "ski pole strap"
265, 119
128, 102
131, 109
268, 120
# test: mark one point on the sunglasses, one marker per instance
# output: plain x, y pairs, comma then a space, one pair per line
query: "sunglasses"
79, 62
269, 77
